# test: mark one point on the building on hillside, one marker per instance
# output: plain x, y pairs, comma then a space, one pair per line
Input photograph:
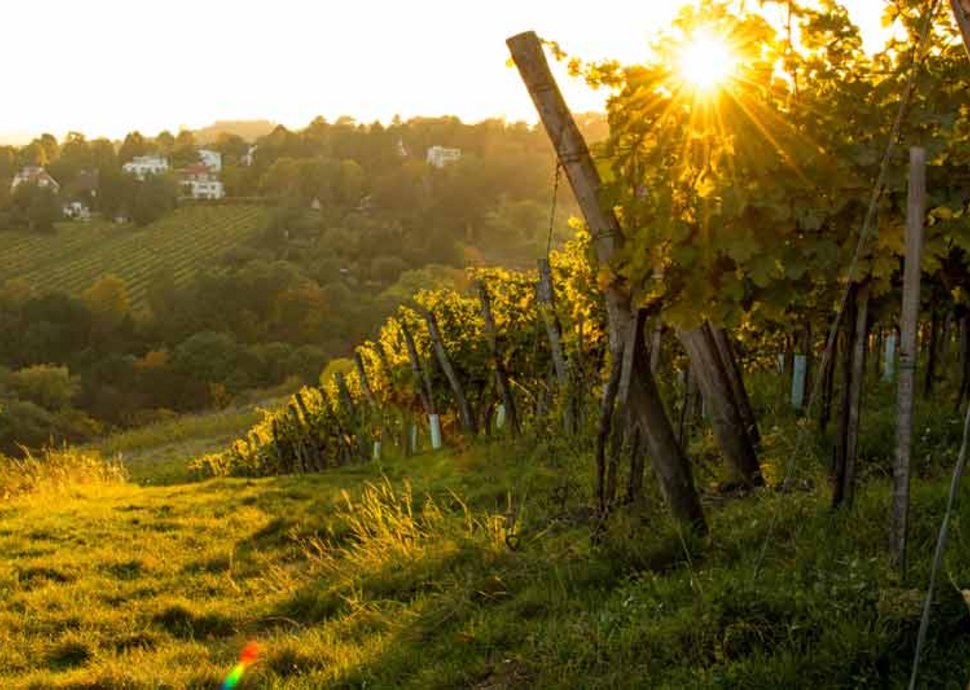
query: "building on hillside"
75, 210
439, 156
211, 159
34, 174
249, 156
400, 148
140, 166
198, 182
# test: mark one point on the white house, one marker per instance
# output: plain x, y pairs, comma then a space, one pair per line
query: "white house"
249, 156
199, 183
77, 211
34, 174
140, 166
439, 156
211, 159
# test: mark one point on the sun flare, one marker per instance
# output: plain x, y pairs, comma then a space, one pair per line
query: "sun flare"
706, 61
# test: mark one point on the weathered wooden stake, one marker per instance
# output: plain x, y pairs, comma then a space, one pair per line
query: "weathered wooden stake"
732, 437
856, 390
425, 391
729, 362
669, 461
464, 409
915, 210
501, 375
545, 297
961, 12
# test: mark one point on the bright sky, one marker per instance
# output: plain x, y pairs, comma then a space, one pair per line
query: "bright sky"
105, 67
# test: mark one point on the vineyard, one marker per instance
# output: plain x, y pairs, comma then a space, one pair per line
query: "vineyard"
81, 253
716, 439
742, 248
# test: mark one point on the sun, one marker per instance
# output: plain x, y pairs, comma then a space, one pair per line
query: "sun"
706, 61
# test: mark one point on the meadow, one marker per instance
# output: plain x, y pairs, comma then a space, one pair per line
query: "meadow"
481, 567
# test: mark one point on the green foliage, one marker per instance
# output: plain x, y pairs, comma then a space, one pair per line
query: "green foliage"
52, 387
327, 426
154, 197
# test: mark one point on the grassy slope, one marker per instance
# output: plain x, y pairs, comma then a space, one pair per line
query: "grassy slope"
159, 453
78, 254
124, 586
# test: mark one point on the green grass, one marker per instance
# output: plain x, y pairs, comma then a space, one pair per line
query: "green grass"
78, 254
159, 453
477, 568
411, 582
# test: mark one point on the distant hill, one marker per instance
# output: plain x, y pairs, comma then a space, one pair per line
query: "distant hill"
250, 130
78, 254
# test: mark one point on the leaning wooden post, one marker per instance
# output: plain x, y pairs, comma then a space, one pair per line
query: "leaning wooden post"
371, 401
425, 391
501, 376
736, 379
730, 432
545, 296
961, 12
424, 387
669, 461
364, 380
856, 388
915, 209
464, 409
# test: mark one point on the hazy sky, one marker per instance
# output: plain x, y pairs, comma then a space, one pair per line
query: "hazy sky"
105, 67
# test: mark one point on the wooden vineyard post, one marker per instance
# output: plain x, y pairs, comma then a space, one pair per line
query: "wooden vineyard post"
828, 383
350, 409
853, 381
421, 374
371, 401
424, 387
656, 341
364, 380
545, 296
964, 358
730, 431
645, 405
736, 379
961, 12
501, 376
313, 445
915, 209
464, 409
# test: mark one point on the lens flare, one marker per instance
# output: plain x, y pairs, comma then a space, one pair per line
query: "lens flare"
249, 656
706, 61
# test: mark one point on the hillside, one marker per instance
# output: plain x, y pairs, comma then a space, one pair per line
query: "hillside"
467, 569
78, 254
478, 568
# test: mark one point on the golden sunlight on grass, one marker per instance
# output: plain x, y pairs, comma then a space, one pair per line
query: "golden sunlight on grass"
706, 61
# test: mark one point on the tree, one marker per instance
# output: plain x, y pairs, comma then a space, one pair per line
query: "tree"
165, 142
155, 196
37, 208
50, 386
184, 152
133, 145
107, 299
